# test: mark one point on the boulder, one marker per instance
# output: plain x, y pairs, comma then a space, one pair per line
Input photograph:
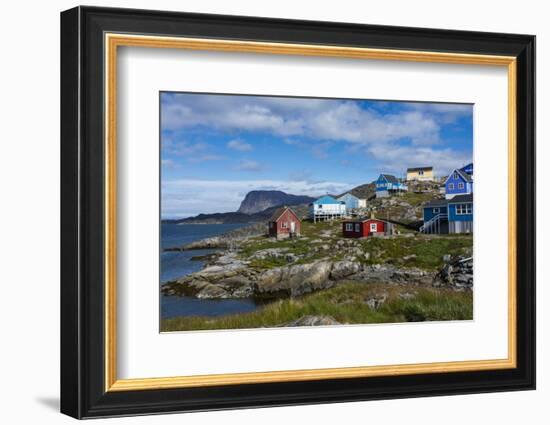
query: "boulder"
295, 280
212, 291
342, 269
374, 302
457, 275
313, 321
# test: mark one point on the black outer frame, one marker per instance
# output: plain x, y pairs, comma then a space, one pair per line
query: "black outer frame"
82, 219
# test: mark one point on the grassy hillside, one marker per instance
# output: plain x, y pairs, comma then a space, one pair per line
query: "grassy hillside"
321, 240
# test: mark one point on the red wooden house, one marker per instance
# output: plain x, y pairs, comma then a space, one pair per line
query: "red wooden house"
284, 224
364, 228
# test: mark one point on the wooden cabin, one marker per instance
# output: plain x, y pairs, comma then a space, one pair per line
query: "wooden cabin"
366, 227
420, 174
284, 224
352, 202
387, 185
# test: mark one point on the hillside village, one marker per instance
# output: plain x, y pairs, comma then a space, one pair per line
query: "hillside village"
427, 205
408, 239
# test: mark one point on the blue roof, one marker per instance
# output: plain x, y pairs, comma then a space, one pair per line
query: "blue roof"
326, 200
468, 168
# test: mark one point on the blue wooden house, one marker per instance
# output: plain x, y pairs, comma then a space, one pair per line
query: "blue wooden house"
459, 182
352, 202
449, 215
436, 218
461, 214
386, 185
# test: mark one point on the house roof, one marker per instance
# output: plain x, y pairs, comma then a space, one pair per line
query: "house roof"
363, 220
461, 198
412, 170
470, 165
390, 178
327, 199
279, 212
347, 195
436, 203
465, 176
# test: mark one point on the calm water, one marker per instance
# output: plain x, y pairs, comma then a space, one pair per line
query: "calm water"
177, 264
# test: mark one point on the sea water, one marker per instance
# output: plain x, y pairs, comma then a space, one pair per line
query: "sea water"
176, 264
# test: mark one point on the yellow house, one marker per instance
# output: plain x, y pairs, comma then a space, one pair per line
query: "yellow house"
420, 173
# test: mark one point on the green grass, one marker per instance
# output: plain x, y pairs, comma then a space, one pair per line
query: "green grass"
346, 304
416, 199
429, 251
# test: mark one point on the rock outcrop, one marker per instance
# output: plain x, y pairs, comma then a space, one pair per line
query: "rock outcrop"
230, 277
457, 274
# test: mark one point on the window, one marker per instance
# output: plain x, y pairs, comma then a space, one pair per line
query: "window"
349, 227
357, 227
462, 209
320, 206
461, 185
436, 210
451, 186
373, 227
421, 172
455, 175
284, 225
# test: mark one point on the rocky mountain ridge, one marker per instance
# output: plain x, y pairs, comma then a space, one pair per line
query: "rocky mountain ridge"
256, 201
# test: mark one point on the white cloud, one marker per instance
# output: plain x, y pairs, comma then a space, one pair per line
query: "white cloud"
239, 145
396, 159
168, 163
189, 197
319, 119
249, 165
181, 147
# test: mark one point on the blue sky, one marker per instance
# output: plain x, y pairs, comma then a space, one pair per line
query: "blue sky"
216, 148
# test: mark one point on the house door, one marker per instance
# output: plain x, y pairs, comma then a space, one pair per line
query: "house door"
292, 227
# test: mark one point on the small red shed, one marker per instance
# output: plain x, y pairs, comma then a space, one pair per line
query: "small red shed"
284, 224
364, 228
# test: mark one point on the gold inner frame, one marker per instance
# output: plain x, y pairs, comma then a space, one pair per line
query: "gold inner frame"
113, 41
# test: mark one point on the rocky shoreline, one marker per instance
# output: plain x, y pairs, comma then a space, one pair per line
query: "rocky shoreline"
229, 276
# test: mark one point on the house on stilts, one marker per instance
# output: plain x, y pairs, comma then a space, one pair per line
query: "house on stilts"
387, 185
327, 208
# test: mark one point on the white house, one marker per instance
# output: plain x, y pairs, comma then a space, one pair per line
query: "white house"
352, 202
327, 208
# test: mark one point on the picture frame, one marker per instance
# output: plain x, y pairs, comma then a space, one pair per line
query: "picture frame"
90, 39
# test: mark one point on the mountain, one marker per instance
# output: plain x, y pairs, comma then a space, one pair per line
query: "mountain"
237, 217
260, 200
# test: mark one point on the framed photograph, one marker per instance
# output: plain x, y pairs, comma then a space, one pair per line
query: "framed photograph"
261, 212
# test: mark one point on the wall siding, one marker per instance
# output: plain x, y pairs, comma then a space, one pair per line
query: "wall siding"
429, 214
455, 181
453, 216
